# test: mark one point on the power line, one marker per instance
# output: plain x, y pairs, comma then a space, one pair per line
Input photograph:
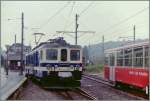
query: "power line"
62, 8
124, 32
85, 9
124, 20
71, 10
65, 29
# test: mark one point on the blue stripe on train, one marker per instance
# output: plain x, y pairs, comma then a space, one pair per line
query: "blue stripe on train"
61, 64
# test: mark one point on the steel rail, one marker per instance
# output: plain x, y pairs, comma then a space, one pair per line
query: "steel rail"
100, 80
85, 94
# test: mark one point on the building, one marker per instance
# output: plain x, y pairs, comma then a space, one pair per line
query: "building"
13, 55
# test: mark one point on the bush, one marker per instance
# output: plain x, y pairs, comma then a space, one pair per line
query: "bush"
94, 68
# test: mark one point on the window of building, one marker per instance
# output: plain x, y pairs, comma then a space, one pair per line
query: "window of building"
75, 55
64, 55
51, 54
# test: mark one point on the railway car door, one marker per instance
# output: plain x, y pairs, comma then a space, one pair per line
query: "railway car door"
64, 55
112, 73
112, 67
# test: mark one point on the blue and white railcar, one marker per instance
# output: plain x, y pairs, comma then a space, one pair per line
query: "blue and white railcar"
55, 58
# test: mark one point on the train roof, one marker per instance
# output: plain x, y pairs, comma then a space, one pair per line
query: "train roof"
145, 43
55, 43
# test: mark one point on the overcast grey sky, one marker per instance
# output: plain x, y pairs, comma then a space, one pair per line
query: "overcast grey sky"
104, 17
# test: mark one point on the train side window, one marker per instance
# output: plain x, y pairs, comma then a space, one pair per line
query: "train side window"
128, 57
106, 60
51, 54
75, 55
120, 58
146, 57
63, 54
138, 57
112, 59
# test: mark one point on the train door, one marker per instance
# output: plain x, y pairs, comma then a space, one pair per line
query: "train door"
112, 73
112, 67
64, 55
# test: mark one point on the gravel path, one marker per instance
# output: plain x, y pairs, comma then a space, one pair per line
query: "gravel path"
100, 91
34, 92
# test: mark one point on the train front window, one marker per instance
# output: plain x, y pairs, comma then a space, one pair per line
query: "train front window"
51, 54
64, 55
75, 55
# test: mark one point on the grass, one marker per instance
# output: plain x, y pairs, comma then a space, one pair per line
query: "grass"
94, 68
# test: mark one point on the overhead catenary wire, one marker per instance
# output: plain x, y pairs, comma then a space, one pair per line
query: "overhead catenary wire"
51, 17
124, 20
83, 11
71, 10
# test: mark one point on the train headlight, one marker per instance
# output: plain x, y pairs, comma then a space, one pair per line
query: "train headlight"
77, 67
48, 65
72, 67
48, 68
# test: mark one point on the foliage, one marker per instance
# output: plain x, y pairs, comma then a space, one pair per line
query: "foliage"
94, 68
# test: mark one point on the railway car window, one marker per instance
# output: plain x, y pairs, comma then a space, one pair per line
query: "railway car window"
51, 54
120, 58
75, 55
146, 57
64, 55
106, 60
128, 57
41, 54
138, 57
112, 59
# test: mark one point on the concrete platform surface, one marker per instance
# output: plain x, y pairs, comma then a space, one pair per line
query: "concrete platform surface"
9, 83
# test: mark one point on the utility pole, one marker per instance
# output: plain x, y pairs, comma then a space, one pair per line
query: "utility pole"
76, 29
103, 56
22, 38
134, 34
15, 38
103, 43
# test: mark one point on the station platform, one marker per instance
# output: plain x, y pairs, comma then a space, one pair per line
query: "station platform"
10, 83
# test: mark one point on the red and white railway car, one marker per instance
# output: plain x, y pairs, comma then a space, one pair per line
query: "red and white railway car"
129, 65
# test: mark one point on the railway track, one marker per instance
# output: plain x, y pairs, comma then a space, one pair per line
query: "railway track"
39, 92
85, 94
101, 80
76, 94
